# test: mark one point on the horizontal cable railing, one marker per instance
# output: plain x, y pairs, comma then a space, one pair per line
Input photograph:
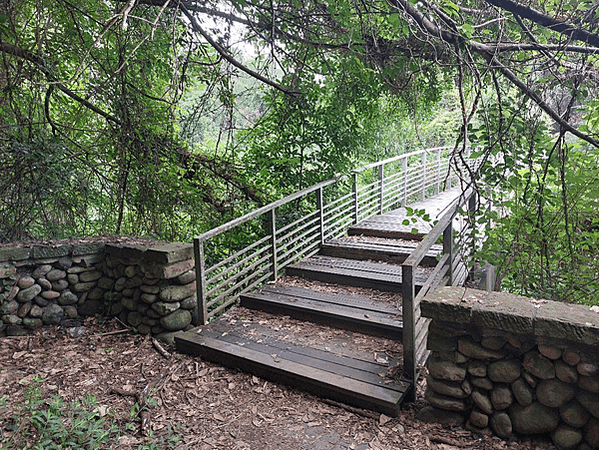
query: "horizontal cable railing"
248, 251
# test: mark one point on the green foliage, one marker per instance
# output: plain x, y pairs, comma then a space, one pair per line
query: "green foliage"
51, 423
55, 424
545, 232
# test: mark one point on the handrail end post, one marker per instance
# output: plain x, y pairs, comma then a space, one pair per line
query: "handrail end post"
448, 249
320, 206
200, 263
356, 198
409, 329
272, 229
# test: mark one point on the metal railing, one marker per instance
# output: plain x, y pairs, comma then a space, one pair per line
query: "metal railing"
460, 235
248, 251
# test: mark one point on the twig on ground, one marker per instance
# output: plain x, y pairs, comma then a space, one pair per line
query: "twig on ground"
110, 333
449, 441
144, 413
358, 411
160, 348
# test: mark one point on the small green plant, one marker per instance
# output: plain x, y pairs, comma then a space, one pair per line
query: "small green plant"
171, 440
42, 423
54, 424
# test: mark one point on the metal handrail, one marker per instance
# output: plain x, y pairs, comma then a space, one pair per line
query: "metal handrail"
244, 270
444, 273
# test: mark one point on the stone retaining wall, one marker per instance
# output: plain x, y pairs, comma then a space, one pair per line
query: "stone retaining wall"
509, 365
152, 288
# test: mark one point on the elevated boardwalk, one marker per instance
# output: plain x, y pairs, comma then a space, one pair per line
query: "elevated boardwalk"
340, 368
391, 224
321, 289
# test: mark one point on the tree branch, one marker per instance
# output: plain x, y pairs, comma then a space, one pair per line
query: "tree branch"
197, 27
567, 29
29, 56
516, 47
538, 100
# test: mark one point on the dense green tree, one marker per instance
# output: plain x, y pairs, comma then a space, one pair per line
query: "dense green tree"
98, 132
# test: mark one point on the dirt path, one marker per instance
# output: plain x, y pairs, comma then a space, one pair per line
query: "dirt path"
207, 406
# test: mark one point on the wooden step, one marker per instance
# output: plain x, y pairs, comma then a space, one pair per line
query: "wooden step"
330, 374
388, 226
366, 247
350, 312
391, 224
373, 275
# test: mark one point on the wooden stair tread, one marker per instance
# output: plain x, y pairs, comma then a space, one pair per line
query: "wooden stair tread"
326, 373
390, 229
379, 249
391, 225
386, 277
353, 300
343, 311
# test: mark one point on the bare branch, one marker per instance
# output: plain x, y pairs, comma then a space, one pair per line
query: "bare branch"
567, 29
197, 27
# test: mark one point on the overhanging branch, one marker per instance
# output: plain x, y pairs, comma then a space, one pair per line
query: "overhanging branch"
197, 27
506, 72
27, 55
567, 29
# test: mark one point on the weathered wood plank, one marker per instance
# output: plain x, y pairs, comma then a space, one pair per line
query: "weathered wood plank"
318, 381
356, 301
304, 306
357, 369
365, 249
386, 277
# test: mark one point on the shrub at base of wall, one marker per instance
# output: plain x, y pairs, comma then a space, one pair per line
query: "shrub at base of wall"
509, 365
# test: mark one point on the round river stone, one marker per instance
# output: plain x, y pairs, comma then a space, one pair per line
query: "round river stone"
535, 418
176, 320
504, 371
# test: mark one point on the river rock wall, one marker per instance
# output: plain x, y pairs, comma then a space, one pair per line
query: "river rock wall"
512, 365
149, 287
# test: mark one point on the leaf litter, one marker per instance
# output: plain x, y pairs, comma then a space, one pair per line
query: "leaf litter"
210, 406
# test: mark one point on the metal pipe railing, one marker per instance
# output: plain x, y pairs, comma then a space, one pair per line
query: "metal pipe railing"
444, 273
369, 190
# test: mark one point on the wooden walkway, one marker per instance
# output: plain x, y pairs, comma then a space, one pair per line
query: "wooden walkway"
390, 225
339, 370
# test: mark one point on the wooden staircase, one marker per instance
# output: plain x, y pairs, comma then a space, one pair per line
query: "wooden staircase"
340, 333
340, 370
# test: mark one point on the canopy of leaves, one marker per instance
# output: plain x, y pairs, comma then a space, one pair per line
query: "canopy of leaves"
137, 117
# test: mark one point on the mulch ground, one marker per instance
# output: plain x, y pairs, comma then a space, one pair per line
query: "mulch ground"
208, 406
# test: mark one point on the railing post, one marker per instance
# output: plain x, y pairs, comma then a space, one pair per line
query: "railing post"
272, 230
320, 205
198, 247
448, 249
438, 176
381, 195
423, 194
404, 167
472, 202
356, 203
409, 328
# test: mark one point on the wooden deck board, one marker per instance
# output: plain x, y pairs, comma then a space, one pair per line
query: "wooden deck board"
338, 299
379, 249
349, 380
391, 224
386, 277
356, 368
341, 311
